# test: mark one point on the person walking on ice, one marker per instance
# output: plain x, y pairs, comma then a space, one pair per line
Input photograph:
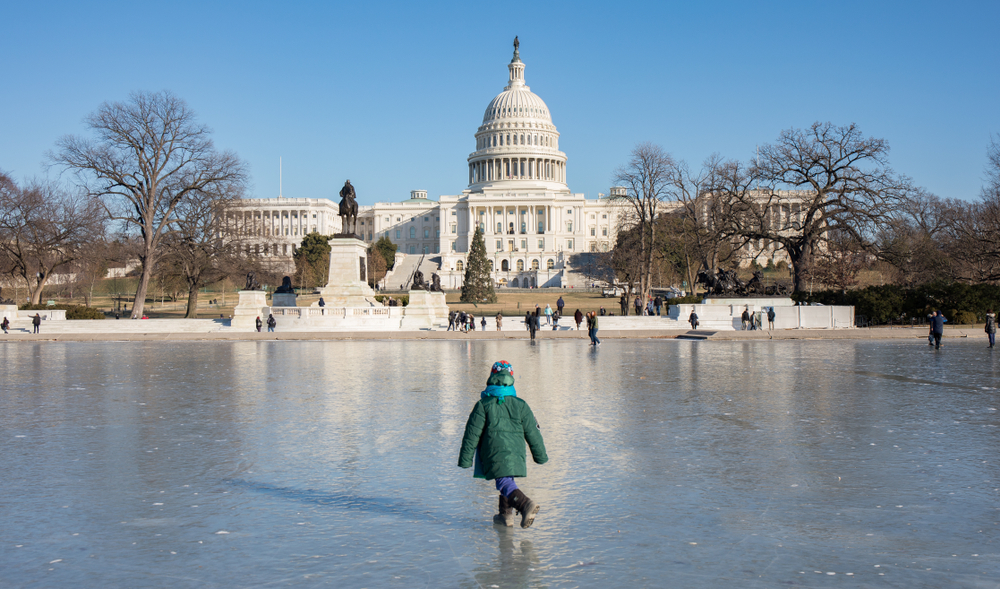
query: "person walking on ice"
494, 439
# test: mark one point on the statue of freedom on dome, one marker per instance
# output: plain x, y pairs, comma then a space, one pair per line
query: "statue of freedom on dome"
517, 43
348, 210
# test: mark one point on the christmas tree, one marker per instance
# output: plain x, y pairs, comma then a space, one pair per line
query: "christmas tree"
478, 287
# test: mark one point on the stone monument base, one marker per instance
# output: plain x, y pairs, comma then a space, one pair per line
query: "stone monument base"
9, 312
346, 286
250, 307
425, 310
284, 299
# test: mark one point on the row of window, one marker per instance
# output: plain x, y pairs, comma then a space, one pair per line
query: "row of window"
524, 245
505, 265
413, 233
515, 139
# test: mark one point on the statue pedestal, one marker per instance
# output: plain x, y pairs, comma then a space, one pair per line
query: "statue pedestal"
250, 307
8, 311
284, 299
347, 286
425, 310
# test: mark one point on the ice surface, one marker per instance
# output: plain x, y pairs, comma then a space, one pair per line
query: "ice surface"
677, 464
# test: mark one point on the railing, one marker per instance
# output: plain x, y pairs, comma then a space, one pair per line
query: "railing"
336, 312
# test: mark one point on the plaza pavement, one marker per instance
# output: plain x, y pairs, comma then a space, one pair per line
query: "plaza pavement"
617, 328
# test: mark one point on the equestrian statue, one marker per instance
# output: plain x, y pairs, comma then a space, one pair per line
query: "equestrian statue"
348, 210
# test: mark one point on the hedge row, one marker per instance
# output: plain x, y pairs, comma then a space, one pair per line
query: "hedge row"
72, 311
961, 303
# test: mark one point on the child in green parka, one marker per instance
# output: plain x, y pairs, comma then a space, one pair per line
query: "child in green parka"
495, 434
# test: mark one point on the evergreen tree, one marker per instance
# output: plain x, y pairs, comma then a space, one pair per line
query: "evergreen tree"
312, 259
478, 286
386, 249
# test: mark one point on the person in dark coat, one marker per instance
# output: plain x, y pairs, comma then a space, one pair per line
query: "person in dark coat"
693, 319
536, 322
271, 323
259, 324
623, 303
745, 318
36, 322
657, 304
991, 327
559, 306
5, 325
937, 328
578, 317
770, 317
452, 315
494, 440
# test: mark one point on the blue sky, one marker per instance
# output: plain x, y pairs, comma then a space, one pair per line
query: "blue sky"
390, 94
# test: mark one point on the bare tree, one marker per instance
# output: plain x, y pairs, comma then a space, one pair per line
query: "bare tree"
149, 155
916, 240
202, 246
976, 226
646, 179
43, 229
708, 201
816, 181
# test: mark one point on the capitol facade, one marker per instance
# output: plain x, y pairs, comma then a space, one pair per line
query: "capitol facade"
535, 228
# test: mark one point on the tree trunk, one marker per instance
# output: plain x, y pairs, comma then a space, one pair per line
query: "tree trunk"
36, 292
140, 293
192, 306
801, 261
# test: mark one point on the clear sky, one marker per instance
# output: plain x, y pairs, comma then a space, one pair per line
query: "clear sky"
391, 94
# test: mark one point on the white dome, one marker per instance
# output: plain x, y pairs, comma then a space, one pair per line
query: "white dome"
519, 103
517, 146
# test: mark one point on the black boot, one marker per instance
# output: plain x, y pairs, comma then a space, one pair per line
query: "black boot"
525, 506
506, 516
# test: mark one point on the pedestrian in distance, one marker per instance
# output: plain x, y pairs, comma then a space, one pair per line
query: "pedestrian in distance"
528, 319
590, 326
322, 303
494, 440
937, 328
770, 317
482, 323
930, 330
991, 327
499, 321
578, 317
555, 320
452, 315
548, 315
535, 323
638, 306
623, 303
472, 322
657, 304
597, 340
5, 325
603, 312
259, 323
693, 319
271, 323
559, 306
745, 318
36, 322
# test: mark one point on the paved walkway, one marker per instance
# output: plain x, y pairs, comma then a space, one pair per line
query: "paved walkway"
163, 333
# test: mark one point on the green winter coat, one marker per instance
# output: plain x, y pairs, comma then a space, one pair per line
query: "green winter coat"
495, 436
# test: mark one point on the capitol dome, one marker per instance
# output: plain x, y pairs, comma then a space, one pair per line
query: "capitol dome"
517, 146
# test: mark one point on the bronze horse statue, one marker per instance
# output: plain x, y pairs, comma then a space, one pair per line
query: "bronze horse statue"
348, 210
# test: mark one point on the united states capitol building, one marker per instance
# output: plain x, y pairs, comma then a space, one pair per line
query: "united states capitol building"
534, 226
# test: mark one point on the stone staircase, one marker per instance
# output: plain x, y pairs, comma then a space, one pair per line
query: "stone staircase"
404, 268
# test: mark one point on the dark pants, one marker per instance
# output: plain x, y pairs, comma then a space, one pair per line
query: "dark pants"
937, 339
34, 329
993, 338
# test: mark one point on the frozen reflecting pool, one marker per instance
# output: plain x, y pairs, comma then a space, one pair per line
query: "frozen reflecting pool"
672, 464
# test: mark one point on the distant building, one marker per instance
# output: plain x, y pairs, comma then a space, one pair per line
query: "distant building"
517, 194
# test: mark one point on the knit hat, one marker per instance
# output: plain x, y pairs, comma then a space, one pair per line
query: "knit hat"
501, 381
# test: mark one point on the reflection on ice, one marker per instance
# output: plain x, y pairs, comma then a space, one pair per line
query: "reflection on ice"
686, 464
